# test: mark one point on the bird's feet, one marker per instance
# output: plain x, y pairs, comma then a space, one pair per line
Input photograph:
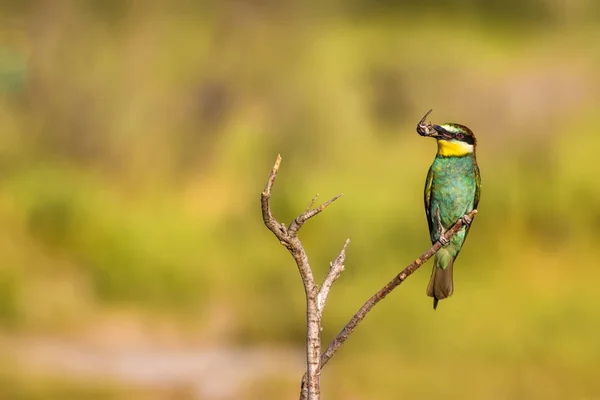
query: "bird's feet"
466, 220
440, 229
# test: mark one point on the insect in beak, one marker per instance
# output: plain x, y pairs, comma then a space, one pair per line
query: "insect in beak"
424, 129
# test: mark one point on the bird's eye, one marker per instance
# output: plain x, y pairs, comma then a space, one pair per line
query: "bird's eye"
459, 136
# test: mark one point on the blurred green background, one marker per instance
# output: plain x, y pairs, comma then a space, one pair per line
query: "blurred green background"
136, 137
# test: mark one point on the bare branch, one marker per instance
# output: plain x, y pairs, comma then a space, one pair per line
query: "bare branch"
335, 270
289, 238
341, 338
383, 292
265, 199
315, 297
308, 214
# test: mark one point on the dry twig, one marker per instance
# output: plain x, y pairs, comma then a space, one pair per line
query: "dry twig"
335, 270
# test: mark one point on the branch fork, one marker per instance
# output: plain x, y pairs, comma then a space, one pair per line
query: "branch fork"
315, 296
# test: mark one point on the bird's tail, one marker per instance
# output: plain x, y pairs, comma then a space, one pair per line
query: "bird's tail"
440, 284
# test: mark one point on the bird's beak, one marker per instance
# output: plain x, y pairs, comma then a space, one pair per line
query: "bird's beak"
441, 133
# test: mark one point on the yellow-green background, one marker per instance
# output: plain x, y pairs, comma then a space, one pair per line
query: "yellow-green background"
136, 137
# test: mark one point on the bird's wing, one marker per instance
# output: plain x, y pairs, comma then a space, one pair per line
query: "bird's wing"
477, 193
477, 187
427, 195
475, 203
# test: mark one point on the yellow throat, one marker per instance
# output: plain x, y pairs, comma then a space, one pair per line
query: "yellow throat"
453, 148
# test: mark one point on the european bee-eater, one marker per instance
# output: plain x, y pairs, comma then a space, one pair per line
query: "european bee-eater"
452, 190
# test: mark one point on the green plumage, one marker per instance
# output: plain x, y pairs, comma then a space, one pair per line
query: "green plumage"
452, 183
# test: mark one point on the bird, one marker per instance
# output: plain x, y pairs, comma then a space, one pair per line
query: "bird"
452, 190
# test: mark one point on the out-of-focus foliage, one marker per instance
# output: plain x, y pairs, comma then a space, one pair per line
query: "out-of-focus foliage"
136, 137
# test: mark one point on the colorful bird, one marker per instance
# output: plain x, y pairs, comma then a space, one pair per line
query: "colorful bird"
452, 190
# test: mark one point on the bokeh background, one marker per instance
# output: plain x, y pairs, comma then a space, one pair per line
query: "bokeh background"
136, 137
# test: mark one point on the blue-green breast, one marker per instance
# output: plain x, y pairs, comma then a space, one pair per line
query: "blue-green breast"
452, 190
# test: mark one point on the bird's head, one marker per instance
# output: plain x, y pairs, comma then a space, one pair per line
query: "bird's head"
453, 139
